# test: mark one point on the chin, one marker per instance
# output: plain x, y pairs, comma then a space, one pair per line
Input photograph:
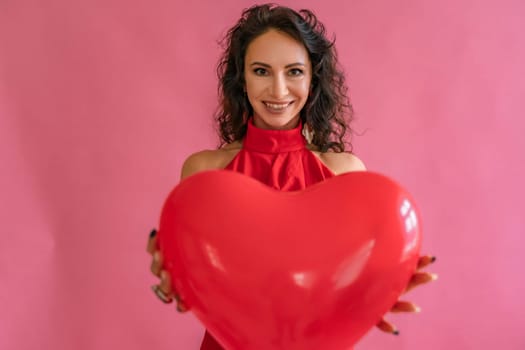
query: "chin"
276, 122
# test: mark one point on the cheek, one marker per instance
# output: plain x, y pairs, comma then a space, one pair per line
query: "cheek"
252, 92
254, 88
303, 89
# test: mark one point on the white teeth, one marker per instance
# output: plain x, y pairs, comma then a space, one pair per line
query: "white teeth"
277, 106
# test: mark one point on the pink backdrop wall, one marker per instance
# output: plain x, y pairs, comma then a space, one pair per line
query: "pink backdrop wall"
101, 101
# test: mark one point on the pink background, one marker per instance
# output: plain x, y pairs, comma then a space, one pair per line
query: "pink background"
101, 101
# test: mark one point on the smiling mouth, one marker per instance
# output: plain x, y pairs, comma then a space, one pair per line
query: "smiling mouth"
277, 106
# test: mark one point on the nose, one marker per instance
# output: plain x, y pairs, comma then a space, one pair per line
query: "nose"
279, 88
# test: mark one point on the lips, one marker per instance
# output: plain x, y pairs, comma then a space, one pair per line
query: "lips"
277, 106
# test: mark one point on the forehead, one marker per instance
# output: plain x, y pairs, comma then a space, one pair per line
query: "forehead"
275, 48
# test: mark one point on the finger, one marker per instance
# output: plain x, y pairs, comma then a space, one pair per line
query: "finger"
163, 289
166, 287
424, 261
405, 306
165, 282
387, 327
156, 263
152, 242
181, 306
166, 299
420, 278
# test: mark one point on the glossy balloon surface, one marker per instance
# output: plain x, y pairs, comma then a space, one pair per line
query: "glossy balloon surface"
312, 269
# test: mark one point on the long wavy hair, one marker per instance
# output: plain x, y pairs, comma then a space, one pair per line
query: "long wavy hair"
327, 111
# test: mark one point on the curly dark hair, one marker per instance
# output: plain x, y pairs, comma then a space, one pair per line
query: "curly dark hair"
327, 111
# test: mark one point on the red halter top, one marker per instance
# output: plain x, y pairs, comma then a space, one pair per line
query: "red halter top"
280, 159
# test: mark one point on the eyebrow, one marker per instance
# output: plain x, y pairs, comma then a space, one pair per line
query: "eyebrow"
268, 66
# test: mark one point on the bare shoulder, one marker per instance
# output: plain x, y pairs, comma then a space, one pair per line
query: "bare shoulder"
209, 160
342, 162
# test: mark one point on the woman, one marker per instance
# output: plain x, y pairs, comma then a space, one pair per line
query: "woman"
283, 117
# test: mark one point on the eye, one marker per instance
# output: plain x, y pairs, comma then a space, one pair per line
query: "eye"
260, 71
295, 72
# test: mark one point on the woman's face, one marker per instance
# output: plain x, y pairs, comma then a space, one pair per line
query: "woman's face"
278, 73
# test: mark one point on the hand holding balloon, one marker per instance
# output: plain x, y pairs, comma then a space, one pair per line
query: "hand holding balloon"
418, 278
163, 290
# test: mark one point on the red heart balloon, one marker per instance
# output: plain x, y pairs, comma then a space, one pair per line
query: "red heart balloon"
311, 269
